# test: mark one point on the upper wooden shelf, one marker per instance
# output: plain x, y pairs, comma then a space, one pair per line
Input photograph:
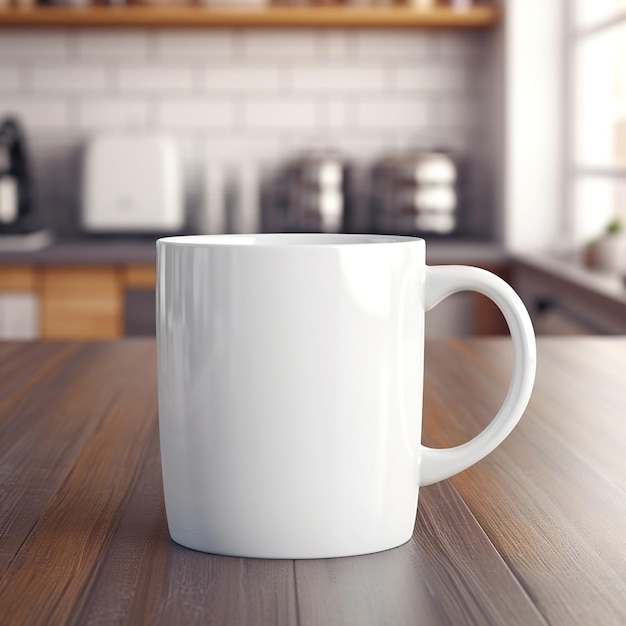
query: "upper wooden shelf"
274, 16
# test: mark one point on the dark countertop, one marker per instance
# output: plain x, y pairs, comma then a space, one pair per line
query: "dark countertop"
531, 535
102, 251
572, 270
595, 299
85, 252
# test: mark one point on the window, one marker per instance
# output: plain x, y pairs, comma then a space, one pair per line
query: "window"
596, 184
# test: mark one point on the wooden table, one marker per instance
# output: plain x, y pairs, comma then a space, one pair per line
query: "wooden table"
534, 534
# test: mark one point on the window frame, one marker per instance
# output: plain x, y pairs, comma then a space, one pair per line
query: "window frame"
573, 35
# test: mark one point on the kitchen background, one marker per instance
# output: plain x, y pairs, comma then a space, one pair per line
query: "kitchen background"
240, 100
241, 103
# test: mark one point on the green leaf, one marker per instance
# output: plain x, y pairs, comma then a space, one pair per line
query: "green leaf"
615, 226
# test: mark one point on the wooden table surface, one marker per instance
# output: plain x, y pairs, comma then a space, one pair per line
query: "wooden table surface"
534, 534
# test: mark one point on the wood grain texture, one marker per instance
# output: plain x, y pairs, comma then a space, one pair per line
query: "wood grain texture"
139, 276
275, 17
70, 447
548, 498
38, 451
531, 535
145, 578
81, 303
435, 576
18, 279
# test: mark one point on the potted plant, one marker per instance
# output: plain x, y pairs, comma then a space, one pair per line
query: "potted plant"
608, 252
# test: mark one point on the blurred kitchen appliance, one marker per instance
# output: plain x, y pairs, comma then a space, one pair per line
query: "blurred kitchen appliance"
415, 193
132, 183
311, 194
17, 211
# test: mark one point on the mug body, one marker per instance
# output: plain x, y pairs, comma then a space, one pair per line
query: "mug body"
290, 371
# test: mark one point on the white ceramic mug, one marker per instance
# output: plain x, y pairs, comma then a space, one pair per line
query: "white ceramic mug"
290, 389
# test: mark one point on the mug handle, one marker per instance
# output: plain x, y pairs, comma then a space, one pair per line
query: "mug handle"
441, 282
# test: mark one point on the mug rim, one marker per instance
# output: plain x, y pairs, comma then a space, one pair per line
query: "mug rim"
285, 240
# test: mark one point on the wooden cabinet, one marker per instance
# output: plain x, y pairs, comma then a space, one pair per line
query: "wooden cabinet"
76, 302
110, 301
18, 279
139, 276
488, 319
81, 303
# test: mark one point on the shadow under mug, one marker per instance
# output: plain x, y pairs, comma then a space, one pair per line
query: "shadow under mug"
290, 376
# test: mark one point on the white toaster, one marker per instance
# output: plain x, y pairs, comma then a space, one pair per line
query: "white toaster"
132, 183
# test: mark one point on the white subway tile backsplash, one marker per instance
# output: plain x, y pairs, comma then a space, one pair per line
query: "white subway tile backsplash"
280, 44
68, 78
242, 147
338, 45
338, 78
391, 113
334, 114
239, 96
362, 147
9, 79
111, 44
280, 113
195, 114
428, 78
113, 114
380, 44
242, 78
452, 113
151, 78
426, 139
456, 46
32, 44
37, 114
202, 44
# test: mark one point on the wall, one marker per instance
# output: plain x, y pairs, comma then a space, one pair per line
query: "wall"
534, 79
247, 96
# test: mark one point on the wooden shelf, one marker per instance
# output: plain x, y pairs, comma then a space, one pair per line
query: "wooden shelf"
275, 16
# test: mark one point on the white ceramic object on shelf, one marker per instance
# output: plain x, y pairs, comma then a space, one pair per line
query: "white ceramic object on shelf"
609, 253
290, 389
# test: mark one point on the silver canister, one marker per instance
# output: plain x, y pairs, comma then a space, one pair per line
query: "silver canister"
311, 194
416, 192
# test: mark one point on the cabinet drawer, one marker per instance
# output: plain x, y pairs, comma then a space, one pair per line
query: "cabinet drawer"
18, 279
81, 303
